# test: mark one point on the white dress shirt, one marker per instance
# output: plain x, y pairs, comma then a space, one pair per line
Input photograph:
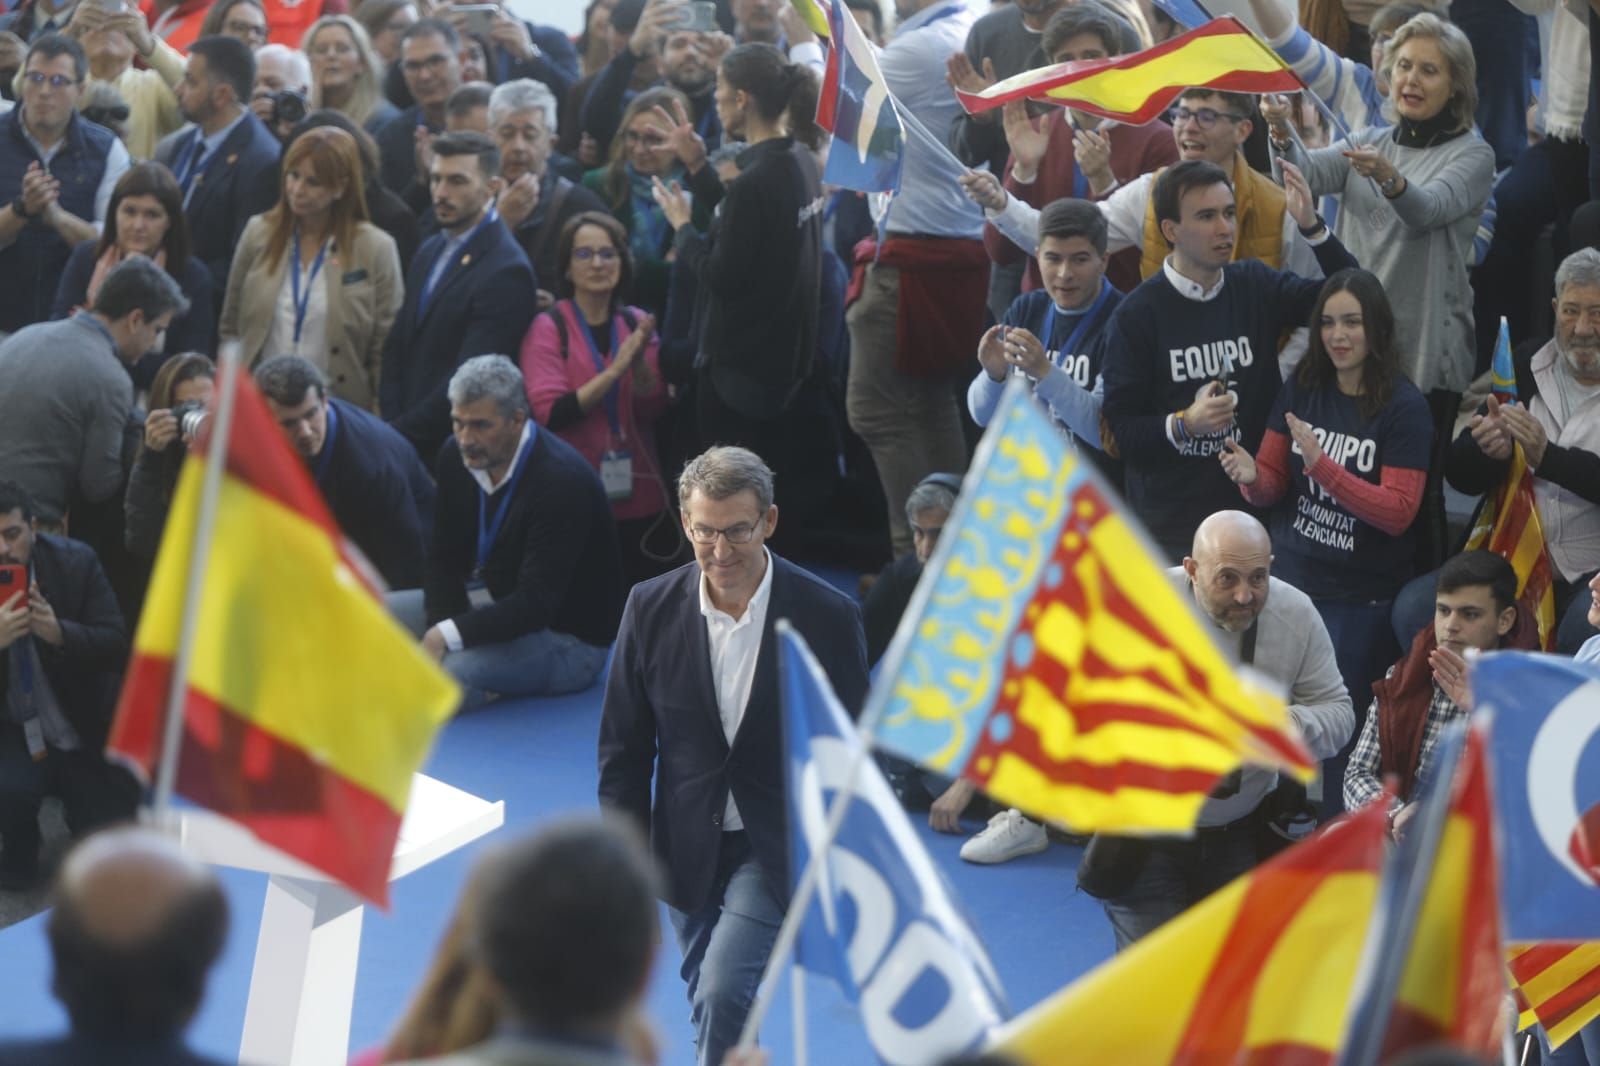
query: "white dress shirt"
312, 345
735, 646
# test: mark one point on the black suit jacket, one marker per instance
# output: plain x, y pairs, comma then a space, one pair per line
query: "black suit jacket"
84, 671
483, 305
379, 492
225, 195
75, 1050
660, 719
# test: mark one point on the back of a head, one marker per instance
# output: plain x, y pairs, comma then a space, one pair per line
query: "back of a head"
778, 87
137, 284
566, 924
136, 927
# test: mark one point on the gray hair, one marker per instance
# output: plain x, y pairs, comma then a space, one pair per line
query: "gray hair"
299, 65
727, 152
522, 95
929, 496
493, 377
724, 471
1463, 102
1581, 268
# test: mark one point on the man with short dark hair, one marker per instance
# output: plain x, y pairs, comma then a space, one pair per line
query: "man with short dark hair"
468, 108
65, 394
62, 643
136, 928
57, 171
217, 159
1196, 347
692, 704
432, 68
470, 291
378, 490
564, 922
523, 583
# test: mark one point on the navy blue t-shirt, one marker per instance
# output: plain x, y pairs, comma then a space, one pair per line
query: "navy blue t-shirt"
1318, 545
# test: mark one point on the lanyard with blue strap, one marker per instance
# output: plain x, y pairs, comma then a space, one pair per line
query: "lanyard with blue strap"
303, 303
1085, 320
616, 462
489, 528
325, 456
441, 267
611, 396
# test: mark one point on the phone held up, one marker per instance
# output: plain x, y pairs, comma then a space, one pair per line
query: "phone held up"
14, 579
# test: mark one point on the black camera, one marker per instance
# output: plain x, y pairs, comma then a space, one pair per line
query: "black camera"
288, 105
191, 416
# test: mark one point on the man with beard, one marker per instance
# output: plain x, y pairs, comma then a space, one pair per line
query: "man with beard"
686, 59
535, 201
1556, 420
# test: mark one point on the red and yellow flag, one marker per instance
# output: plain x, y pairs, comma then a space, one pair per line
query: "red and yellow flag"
1222, 54
308, 707
1231, 979
1454, 978
1557, 986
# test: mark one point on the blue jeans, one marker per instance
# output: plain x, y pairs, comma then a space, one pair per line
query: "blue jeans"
1364, 648
541, 663
725, 945
1177, 874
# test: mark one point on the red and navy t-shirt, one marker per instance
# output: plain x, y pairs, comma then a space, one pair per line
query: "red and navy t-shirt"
1319, 546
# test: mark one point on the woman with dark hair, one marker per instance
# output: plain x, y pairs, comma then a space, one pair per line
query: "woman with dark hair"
245, 20
145, 217
183, 386
758, 271
1342, 467
592, 369
312, 277
385, 21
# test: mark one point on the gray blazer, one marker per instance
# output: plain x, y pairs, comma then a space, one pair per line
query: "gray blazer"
365, 290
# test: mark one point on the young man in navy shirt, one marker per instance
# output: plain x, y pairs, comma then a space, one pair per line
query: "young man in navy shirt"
1192, 353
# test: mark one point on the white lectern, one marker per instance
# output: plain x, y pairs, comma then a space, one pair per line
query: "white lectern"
304, 979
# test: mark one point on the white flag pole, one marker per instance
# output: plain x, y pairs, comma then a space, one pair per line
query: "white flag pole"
200, 553
797, 991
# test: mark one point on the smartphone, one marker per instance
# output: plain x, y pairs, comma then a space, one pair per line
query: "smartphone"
12, 578
480, 18
699, 17
114, 7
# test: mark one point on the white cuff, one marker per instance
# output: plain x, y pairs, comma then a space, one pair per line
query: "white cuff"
452, 636
1019, 181
1172, 436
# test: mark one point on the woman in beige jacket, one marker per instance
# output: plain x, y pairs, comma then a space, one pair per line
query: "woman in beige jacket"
312, 277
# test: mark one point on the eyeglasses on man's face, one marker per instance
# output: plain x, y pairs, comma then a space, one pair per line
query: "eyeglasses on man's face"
743, 533
55, 81
1204, 117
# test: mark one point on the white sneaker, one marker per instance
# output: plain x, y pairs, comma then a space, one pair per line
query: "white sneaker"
1007, 836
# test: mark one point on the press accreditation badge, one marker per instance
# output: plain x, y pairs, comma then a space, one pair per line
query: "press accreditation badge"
478, 594
33, 731
616, 474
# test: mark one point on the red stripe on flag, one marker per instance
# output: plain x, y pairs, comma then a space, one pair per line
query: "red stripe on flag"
1563, 1004
274, 789
1236, 81
1539, 958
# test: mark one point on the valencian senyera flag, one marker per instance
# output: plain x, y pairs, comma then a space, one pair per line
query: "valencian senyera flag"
1222, 54
1261, 971
308, 708
1047, 657
1508, 521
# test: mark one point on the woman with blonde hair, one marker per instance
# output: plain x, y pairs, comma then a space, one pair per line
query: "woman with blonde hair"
312, 277
346, 73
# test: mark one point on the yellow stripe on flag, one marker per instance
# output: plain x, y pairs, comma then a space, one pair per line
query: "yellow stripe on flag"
1203, 61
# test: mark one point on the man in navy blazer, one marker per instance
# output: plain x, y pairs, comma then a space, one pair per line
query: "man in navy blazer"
692, 701
217, 159
470, 291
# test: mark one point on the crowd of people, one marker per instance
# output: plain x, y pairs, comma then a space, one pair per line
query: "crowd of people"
557, 325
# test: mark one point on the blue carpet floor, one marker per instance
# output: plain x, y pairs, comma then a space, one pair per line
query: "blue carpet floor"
539, 756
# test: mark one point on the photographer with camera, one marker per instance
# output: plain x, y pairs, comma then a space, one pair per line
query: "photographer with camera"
282, 86
179, 400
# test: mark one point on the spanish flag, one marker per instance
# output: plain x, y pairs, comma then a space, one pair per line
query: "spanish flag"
1262, 971
1557, 985
1222, 54
1048, 658
1508, 523
308, 708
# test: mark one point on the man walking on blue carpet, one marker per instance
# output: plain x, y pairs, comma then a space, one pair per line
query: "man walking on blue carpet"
692, 701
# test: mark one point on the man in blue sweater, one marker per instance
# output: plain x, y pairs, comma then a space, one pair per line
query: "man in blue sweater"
1192, 353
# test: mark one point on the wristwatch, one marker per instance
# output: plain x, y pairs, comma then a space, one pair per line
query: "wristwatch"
17, 206
1388, 186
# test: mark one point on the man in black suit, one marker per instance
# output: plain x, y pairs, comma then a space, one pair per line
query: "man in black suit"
378, 490
470, 291
62, 642
217, 159
692, 701
523, 583
136, 927
429, 59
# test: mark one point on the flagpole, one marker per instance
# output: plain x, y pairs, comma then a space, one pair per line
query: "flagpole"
200, 553
797, 991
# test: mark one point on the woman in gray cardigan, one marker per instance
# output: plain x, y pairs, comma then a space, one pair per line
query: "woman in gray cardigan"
1411, 195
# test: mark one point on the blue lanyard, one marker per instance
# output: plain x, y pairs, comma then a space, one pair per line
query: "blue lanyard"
441, 267
1085, 320
325, 456
489, 529
600, 366
303, 303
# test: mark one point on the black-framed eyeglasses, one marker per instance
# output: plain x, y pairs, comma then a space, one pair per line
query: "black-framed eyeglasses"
605, 255
743, 533
1204, 117
417, 66
55, 81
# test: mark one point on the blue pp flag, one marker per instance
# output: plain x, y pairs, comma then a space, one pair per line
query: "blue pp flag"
1186, 13
855, 106
1546, 760
882, 922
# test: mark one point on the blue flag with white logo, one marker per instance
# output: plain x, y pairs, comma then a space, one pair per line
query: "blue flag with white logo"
882, 922
1546, 762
